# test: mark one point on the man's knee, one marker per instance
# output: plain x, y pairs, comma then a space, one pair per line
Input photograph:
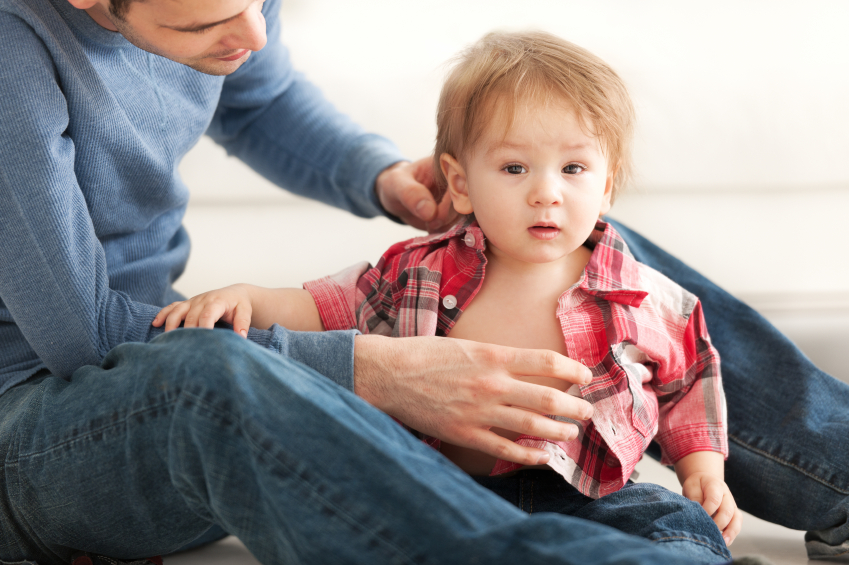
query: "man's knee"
213, 360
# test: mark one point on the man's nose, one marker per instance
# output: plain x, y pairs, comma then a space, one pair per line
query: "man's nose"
248, 30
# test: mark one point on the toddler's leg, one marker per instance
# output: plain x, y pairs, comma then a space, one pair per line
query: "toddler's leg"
644, 510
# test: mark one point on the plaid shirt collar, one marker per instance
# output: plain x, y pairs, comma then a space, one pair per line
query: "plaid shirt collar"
611, 274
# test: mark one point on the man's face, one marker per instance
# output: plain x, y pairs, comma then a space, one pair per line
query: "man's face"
211, 36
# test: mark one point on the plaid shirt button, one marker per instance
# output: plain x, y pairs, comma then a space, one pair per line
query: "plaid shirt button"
450, 302
469, 239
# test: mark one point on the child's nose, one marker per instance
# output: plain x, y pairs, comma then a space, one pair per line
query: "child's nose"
546, 192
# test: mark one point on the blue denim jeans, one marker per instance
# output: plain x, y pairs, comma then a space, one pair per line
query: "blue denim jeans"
644, 510
788, 421
143, 454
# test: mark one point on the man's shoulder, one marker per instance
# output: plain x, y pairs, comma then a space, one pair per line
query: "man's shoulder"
34, 18
25, 11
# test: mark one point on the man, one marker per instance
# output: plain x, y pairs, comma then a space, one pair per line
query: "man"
129, 449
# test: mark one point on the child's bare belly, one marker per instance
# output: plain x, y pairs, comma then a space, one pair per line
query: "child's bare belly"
526, 329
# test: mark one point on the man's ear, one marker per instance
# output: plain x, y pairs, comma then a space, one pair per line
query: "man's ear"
455, 176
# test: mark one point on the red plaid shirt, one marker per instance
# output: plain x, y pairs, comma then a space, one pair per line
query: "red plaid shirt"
656, 374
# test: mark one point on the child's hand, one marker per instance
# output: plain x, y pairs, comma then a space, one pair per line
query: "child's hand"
231, 304
713, 494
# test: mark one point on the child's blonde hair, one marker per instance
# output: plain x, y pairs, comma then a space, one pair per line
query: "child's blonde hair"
513, 68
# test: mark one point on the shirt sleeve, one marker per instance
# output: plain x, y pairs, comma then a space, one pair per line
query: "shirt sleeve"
359, 297
692, 411
281, 125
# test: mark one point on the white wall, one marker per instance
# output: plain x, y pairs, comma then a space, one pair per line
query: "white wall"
742, 146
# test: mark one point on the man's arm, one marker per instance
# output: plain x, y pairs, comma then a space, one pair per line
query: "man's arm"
281, 125
54, 279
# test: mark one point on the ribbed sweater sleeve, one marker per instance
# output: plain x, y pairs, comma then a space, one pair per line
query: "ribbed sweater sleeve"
91, 132
53, 279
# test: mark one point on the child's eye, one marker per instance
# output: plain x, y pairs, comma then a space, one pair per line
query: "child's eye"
515, 169
573, 169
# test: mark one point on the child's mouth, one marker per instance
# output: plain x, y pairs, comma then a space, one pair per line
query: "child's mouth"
544, 232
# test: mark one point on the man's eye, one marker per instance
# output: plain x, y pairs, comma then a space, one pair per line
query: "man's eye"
573, 169
515, 169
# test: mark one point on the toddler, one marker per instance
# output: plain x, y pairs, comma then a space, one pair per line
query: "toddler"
533, 145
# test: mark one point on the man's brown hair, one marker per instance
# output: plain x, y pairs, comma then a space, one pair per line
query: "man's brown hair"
534, 67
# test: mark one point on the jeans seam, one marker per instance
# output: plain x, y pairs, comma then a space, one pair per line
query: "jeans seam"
339, 512
90, 433
781, 461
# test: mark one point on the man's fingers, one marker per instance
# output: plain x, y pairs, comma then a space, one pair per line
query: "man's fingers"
543, 363
502, 448
445, 215
533, 424
546, 400
418, 199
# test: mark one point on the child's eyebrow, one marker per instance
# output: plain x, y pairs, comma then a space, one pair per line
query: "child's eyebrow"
565, 147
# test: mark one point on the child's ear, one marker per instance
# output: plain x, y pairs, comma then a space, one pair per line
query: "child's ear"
606, 200
455, 176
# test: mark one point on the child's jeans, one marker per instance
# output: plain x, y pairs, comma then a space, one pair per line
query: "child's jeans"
641, 509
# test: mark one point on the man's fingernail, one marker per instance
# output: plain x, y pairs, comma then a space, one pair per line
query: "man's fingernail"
244, 333
543, 459
588, 375
424, 209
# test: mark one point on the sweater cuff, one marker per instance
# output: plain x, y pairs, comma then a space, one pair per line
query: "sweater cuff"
329, 353
358, 172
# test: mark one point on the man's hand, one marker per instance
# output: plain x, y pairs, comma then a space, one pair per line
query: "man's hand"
231, 304
408, 190
457, 390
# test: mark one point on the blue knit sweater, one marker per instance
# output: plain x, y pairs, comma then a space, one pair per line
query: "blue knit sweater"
92, 130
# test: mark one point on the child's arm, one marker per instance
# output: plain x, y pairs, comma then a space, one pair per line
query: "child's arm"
244, 306
702, 477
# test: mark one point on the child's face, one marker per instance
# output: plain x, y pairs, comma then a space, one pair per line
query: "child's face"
536, 191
